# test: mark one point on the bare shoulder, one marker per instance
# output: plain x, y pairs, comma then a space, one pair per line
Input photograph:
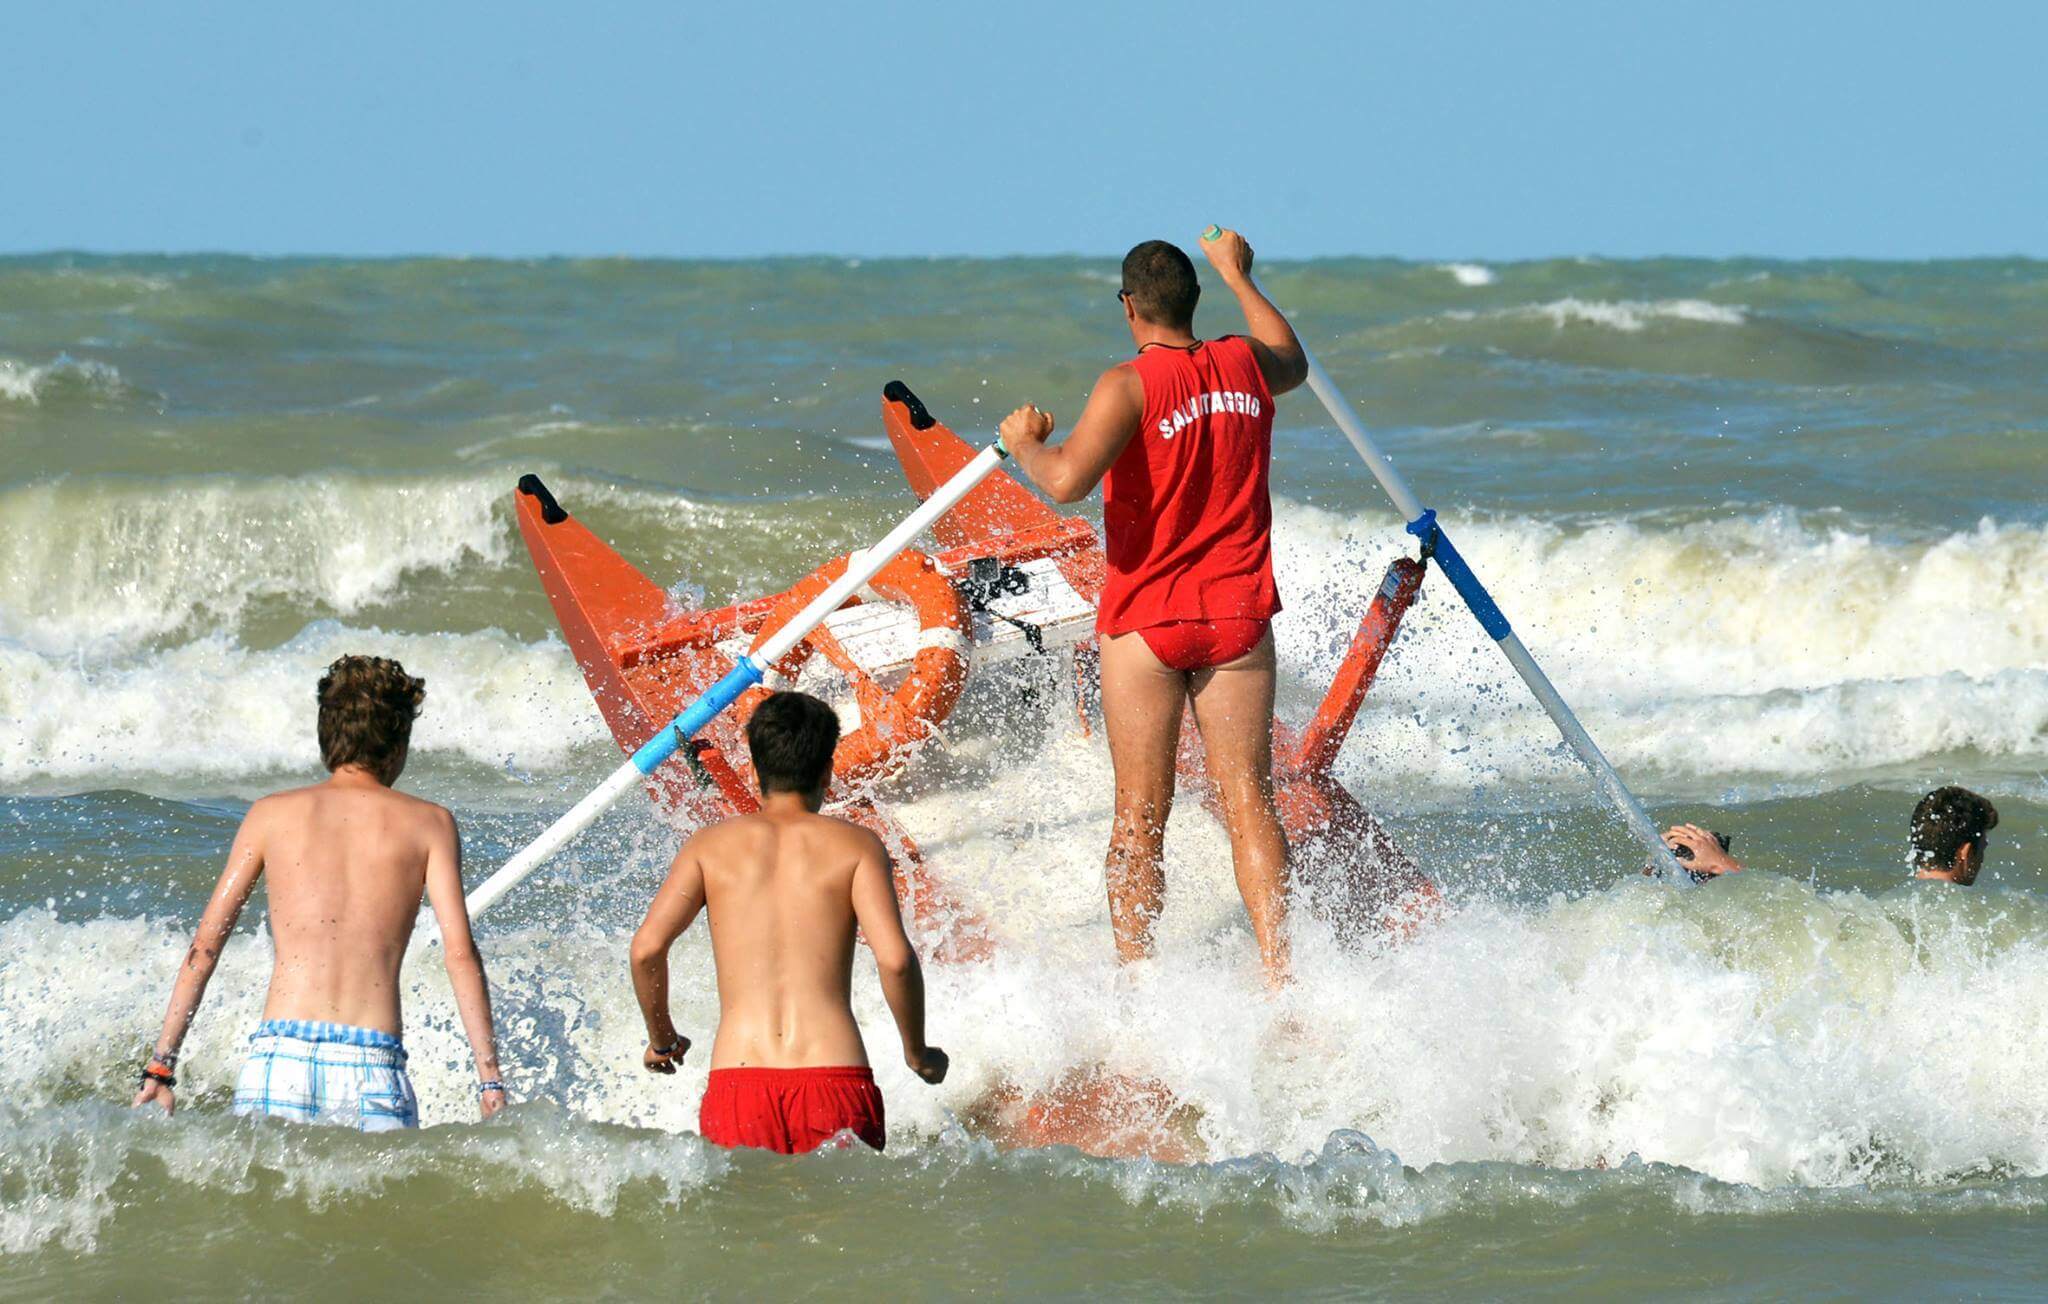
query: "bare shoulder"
1119, 394
855, 841
285, 800
430, 816
279, 808
430, 810
724, 836
266, 812
1121, 378
1280, 374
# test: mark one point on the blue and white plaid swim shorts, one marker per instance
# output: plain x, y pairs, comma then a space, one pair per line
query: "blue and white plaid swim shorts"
327, 1073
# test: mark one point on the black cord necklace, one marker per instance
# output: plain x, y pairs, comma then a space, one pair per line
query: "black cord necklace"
1162, 344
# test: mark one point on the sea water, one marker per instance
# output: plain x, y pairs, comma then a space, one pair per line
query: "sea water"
1776, 529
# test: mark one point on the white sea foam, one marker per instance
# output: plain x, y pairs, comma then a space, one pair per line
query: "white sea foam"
1761, 644
526, 433
89, 567
1822, 1040
1767, 644
1470, 275
27, 383
97, 568
1743, 604
214, 710
1627, 315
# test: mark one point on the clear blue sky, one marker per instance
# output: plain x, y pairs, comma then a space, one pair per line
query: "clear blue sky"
1491, 130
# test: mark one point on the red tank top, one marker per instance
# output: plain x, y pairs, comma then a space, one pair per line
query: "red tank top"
1187, 513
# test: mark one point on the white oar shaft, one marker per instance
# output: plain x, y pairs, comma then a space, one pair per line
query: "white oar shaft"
865, 566
1405, 501
722, 694
1422, 523
1581, 742
557, 835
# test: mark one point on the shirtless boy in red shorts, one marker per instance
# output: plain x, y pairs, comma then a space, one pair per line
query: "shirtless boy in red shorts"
785, 887
1181, 438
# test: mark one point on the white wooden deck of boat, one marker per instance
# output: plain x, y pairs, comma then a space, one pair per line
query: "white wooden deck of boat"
882, 637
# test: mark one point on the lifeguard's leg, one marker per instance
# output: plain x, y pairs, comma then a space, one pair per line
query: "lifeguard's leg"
1142, 701
1234, 710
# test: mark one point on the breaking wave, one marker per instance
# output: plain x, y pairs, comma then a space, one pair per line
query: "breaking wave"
1470, 275
1772, 642
213, 711
1627, 315
1821, 1045
66, 378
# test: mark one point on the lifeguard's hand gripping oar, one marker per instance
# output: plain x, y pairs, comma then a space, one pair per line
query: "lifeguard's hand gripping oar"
751, 669
1435, 543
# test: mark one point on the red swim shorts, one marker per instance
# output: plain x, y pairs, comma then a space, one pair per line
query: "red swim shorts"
1188, 645
790, 1111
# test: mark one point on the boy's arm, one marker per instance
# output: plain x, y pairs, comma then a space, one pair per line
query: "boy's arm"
1070, 472
672, 911
230, 894
874, 906
1280, 355
465, 963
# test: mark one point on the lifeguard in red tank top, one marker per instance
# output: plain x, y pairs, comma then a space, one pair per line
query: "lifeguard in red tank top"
1187, 512
1180, 441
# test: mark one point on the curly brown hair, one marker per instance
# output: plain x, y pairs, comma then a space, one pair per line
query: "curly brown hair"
367, 706
1947, 820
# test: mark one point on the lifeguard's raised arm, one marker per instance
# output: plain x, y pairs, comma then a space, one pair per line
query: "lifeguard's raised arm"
1281, 357
216, 924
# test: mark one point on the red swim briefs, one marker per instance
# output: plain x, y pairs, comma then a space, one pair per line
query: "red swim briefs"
1188, 645
790, 1111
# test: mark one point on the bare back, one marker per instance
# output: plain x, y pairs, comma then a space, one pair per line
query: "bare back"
780, 891
347, 866
785, 887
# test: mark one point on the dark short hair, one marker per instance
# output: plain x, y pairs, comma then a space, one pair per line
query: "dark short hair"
791, 737
367, 706
1947, 820
1160, 281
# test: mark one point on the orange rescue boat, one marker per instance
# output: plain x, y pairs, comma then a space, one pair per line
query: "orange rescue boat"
1014, 578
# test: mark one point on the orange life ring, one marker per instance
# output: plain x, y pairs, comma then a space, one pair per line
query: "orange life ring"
888, 721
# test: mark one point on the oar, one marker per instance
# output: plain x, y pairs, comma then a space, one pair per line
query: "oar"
743, 676
1423, 525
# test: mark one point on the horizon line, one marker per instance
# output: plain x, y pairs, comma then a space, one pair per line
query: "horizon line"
857, 258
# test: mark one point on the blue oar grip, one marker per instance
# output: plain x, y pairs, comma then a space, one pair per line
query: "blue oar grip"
700, 713
1437, 544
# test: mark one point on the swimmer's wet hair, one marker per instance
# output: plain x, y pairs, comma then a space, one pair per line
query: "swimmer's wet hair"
1161, 283
791, 737
1947, 820
367, 706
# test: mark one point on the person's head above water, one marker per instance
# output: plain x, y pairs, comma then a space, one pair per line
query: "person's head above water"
1948, 834
367, 706
791, 738
1159, 288
1702, 852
